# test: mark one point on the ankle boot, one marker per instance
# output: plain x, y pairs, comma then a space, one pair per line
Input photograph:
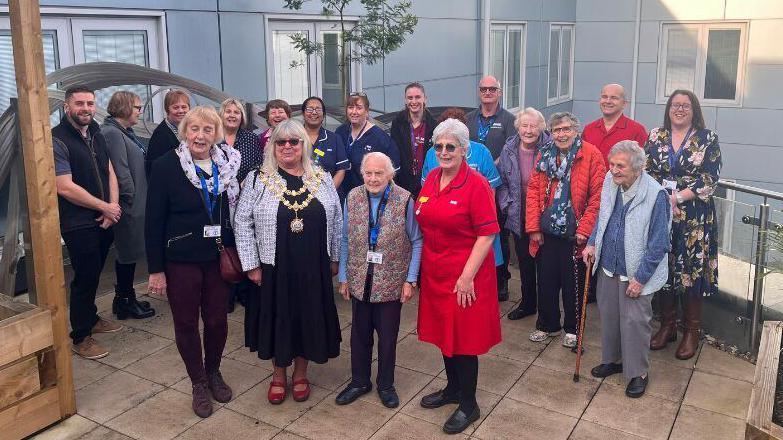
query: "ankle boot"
668, 331
119, 294
125, 306
690, 339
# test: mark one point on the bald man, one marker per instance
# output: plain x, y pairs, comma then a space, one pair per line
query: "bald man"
613, 126
491, 125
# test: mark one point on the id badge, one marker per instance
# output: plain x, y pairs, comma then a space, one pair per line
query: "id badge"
211, 231
374, 257
670, 185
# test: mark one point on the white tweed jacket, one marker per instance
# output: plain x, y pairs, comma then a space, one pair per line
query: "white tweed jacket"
255, 221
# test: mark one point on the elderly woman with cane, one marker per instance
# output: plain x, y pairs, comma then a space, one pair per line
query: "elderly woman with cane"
629, 242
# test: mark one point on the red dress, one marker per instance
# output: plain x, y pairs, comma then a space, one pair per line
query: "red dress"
451, 220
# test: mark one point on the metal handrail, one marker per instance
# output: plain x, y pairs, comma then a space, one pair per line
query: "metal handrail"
751, 190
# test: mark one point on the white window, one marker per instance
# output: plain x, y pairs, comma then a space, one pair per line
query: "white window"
706, 58
561, 63
506, 61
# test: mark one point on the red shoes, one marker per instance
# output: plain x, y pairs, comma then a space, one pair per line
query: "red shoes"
301, 396
276, 397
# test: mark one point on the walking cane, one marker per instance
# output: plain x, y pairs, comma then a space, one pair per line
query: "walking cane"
581, 332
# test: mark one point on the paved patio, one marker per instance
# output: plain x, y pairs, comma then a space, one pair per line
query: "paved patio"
526, 391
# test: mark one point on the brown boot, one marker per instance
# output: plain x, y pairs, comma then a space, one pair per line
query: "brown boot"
690, 339
668, 331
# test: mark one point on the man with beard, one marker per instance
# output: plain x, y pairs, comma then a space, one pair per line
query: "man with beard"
88, 199
412, 132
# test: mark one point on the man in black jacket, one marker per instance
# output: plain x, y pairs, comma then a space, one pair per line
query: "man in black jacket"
88, 199
412, 130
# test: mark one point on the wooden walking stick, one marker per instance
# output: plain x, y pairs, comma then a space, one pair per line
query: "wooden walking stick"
581, 332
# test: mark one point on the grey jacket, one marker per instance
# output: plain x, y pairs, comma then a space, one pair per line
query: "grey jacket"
511, 196
127, 159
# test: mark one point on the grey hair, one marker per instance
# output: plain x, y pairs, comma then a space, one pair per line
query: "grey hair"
533, 113
559, 116
288, 128
387, 163
454, 128
635, 153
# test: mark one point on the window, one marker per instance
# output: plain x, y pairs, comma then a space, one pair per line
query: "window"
506, 61
561, 63
705, 58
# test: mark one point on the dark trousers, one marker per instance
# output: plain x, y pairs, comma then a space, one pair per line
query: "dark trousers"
124, 273
368, 317
87, 250
527, 273
556, 266
462, 376
503, 274
194, 288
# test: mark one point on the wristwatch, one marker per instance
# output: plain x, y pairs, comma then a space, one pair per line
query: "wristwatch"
413, 284
679, 198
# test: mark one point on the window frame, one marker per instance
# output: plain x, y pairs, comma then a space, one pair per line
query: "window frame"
506, 27
700, 67
570, 95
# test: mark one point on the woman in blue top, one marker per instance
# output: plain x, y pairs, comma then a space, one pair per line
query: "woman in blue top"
361, 137
328, 148
479, 158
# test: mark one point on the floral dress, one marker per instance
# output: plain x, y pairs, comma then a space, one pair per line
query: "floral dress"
693, 263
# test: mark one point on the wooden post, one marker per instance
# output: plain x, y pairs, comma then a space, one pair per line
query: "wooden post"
36, 141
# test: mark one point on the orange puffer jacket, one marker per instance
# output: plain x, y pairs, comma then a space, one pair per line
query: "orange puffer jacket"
587, 178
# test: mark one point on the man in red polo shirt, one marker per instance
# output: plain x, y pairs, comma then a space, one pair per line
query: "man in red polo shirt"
613, 126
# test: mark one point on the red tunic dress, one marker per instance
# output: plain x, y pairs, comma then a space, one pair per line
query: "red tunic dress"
451, 220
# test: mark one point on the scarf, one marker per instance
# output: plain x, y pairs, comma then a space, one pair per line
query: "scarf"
557, 216
227, 160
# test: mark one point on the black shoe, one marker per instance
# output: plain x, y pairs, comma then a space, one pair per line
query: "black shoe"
636, 387
606, 370
459, 420
389, 397
503, 291
132, 295
519, 313
231, 302
128, 307
351, 393
438, 399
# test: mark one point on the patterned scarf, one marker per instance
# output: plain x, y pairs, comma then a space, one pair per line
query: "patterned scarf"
561, 201
227, 160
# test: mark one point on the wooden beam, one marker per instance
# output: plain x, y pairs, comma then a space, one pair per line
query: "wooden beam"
36, 140
758, 423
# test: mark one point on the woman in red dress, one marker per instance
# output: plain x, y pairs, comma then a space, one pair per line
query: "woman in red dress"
458, 308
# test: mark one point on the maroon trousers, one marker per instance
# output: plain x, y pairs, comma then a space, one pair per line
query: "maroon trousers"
194, 288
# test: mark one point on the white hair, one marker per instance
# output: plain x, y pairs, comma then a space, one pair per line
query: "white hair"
387, 163
290, 128
533, 113
636, 155
454, 128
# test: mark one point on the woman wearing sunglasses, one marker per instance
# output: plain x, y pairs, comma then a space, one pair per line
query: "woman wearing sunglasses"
288, 227
360, 137
458, 307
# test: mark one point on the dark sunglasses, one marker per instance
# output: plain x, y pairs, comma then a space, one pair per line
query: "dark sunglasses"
449, 147
488, 89
282, 142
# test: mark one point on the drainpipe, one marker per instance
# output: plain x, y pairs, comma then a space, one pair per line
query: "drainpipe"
485, 20
636, 57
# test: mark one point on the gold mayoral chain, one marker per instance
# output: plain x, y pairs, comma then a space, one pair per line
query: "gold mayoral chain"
310, 185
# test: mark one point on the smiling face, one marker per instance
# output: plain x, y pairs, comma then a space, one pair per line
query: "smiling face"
357, 113
612, 101
376, 175
232, 118
563, 133
622, 173
449, 160
681, 111
200, 135
80, 108
289, 156
313, 114
415, 100
177, 111
489, 91
529, 129
276, 116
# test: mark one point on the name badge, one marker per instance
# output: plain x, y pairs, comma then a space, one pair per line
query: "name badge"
211, 231
423, 199
374, 257
318, 152
670, 185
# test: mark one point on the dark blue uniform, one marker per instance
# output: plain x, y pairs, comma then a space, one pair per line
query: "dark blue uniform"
374, 139
329, 152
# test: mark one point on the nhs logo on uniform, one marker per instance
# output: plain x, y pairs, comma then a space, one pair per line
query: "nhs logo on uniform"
368, 147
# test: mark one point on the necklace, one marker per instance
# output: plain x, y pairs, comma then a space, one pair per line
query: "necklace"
310, 185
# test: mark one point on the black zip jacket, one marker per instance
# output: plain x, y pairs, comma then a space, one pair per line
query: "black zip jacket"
401, 133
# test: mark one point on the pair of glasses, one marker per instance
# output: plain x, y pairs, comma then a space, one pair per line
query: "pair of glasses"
292, 142
137, 107
449, 147
313, 110
488, 89
685, 107
358, 94
561, 130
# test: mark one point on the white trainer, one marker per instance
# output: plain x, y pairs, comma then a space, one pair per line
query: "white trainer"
541, 336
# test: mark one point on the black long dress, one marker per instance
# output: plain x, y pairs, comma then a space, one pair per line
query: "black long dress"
294, 313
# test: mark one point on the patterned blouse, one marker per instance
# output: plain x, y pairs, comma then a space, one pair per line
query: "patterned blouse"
249, 147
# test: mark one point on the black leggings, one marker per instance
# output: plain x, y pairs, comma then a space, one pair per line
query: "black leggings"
462, 375
124, 273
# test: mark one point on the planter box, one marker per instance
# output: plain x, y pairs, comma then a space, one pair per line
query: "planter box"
28, 384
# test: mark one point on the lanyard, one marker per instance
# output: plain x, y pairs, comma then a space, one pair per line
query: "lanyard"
375, 226
483, 130
674, 156
209, 201
351, 140
415, 148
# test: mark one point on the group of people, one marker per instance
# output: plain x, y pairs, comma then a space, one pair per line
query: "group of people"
429, 207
